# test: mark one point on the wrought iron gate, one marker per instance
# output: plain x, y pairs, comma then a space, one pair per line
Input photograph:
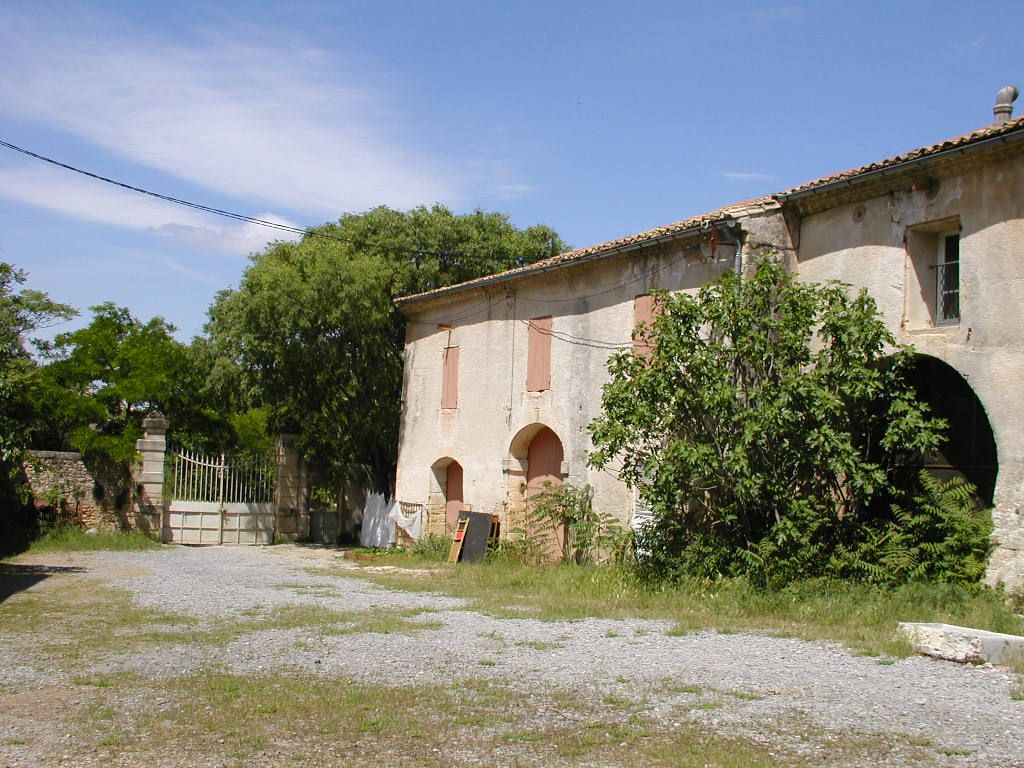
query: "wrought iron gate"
219, 501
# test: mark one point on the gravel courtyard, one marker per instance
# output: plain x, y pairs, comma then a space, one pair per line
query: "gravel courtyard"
82, 695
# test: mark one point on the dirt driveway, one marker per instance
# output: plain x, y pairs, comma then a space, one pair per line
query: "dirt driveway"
289, 656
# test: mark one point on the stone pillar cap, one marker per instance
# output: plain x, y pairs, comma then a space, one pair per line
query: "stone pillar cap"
154, 421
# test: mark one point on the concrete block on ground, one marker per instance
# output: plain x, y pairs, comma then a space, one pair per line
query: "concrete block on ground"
962, 644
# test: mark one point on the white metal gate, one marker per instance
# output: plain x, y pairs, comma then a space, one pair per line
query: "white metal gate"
214, 501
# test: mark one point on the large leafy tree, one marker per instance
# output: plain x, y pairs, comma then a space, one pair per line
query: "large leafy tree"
22, 312
767, 427
314, 333
100, 381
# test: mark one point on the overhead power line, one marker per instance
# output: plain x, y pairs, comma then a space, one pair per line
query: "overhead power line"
305, 231
168, 198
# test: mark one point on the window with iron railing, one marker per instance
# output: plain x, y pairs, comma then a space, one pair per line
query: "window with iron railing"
947, 280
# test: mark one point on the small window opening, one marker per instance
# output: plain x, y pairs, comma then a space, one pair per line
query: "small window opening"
947, 280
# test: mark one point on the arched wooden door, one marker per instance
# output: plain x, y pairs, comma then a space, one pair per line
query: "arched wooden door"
544, 465
453, 501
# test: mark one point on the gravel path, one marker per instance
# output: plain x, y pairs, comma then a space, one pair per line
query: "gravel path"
769, 689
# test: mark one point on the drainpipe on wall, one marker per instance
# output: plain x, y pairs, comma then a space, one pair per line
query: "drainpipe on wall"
726, 228
737, 258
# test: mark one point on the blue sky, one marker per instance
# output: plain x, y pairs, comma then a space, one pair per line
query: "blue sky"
599, 119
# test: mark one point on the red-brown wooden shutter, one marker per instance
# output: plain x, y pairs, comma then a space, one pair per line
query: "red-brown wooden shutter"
538, 355
643, 312
453, 503
450, 378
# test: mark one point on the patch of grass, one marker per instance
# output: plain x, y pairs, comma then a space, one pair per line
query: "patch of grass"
920, 741
707, 705
1016, 665
617, 702
313, 590
861, 617
74, 618
693, 689
95, 682
316, 618
290, 718
487, 663
541, 645
69, 538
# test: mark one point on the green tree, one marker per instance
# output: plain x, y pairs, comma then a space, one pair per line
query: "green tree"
315, 334
101, 381
766, 428
22, 312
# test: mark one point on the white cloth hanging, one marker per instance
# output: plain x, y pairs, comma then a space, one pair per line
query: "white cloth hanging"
378, 529
410, 524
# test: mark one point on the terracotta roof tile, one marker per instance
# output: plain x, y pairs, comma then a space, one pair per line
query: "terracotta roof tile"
736, 209
988, 132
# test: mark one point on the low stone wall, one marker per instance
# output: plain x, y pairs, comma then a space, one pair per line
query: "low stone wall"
64, 491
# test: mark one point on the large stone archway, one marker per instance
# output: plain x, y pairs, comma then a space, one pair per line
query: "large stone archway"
970, 449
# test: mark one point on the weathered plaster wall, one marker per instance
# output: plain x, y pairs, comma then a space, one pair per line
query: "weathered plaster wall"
592, 307
867, 243
987, 346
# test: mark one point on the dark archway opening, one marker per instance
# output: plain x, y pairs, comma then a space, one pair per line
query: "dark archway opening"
969, 450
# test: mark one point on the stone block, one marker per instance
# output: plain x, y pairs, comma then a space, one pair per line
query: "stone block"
962, 644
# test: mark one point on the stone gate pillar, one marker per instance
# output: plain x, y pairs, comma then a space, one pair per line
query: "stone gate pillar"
292, 515
148, 504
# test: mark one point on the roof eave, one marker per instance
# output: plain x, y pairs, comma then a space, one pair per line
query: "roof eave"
501, 277
1017, 134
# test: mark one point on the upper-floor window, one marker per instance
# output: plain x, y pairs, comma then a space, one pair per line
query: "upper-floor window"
538, 355
932, 290
947, 279
450, 378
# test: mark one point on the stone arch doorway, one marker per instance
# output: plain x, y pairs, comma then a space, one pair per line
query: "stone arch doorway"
969, 450
536, 458
447, 495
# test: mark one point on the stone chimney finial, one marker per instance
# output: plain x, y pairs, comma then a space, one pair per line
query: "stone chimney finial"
1003, 109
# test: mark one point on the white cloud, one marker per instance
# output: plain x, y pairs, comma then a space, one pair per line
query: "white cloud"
510, 191
92, 200
244, 239
275, 124
200, 277
744, 176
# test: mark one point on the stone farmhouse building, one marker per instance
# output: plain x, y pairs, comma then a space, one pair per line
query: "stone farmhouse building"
504, 373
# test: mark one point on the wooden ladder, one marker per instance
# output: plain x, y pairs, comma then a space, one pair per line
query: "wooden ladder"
460, 536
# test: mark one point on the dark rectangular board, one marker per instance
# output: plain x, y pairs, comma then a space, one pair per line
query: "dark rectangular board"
474, 545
